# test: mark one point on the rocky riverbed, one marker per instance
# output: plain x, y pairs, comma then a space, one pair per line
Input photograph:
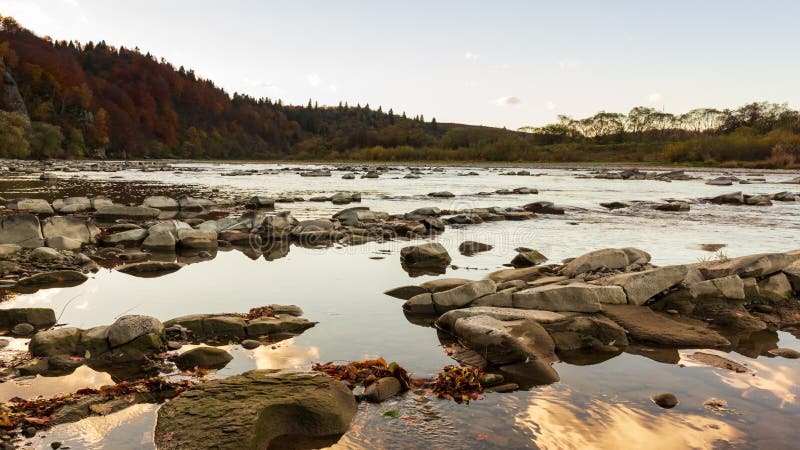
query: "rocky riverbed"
615, 293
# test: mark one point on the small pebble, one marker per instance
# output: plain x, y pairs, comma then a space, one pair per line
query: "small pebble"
250, 344
665, 400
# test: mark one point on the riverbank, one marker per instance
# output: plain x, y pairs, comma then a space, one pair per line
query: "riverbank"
339, 282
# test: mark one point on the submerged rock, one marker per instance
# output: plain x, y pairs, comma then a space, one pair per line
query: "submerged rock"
208, 357
257, 410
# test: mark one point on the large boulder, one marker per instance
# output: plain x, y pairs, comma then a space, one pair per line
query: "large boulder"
642, 286
463, 295
38, 317
64, 243
197, 239
129, 328
609, 258
130, 237
731, 287
647, 326
306, 226
792, 272
58, 341
425, 256
71, 205
523, 274
576, 297
280, 324
188, 203
9, 250
113, 212
161, 241
260, 202
405, 292
258, 410
169, 226
359, 216
443, 284
21, 229
279, 226
447, 320
528, 258
62, 278
586, 332
80, 229
472, 247
775, 287
749, 266
30, 205
504, 341
161, 202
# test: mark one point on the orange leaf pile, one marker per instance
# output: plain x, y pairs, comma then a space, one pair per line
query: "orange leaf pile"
364, 372
461, 383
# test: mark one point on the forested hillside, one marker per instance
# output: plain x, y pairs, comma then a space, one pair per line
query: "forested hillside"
62, 99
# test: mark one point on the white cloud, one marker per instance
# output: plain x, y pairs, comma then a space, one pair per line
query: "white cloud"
550, 105
508, 101
333, 87
499, 67
260, 83
314, 79
656, 97
470, 56
569, 64
28, 14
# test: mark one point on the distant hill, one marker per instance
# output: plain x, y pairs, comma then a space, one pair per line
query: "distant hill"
63, 99
83, 99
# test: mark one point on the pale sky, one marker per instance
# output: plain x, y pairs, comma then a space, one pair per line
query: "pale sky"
492, 63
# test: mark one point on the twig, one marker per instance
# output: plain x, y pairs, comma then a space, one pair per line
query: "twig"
64, 308
128, 310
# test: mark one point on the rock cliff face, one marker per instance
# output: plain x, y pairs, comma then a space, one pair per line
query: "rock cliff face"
10, 97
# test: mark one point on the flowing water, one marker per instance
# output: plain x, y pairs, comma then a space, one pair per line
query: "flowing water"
596, 404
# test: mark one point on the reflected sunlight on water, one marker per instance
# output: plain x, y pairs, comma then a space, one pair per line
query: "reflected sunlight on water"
558, 423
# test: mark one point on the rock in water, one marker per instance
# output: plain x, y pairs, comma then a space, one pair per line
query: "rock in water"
257, 410
383, 389
432, 256
665, 400
471, 247
210, 357
114, 212
21, 229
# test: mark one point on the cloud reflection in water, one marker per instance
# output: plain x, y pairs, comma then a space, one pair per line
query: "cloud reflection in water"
561, 423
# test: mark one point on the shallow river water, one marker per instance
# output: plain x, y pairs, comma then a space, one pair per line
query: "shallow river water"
595, 405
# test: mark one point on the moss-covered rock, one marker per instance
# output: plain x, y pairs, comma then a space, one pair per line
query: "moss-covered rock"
258, 409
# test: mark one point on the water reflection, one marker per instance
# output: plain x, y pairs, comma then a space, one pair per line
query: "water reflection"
130, 428
285, 355
82, 377
780, 380
561, 423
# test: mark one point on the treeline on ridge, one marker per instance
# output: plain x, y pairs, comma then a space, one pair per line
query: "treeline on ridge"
62, 99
